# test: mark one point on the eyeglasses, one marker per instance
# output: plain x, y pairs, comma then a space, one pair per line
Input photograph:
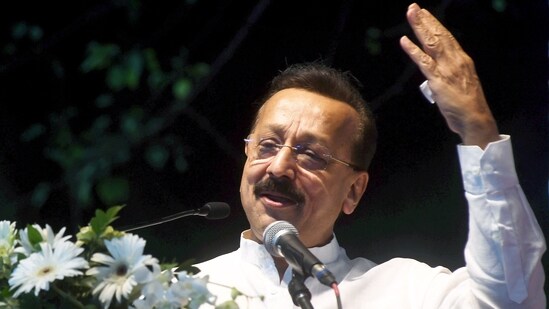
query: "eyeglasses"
310, 156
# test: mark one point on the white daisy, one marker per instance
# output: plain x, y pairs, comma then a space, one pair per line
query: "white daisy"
190, 291
47, 234
7, 242
154, 293
124, 268
45, 266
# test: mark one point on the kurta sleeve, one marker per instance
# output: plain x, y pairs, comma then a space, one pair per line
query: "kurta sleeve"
505, 243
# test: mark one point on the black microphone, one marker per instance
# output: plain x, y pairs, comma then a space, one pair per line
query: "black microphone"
211, 210
280, 239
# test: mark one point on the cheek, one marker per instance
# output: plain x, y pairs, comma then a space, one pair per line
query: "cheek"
315, 188
250, 176
315, 191
326, 196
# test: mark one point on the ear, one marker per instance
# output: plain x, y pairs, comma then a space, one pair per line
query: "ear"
355, 193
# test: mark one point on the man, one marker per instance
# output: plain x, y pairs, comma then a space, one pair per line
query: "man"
307, 158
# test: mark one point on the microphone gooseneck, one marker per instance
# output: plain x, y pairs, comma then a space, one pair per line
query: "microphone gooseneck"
211, 210
215, 210
281, 240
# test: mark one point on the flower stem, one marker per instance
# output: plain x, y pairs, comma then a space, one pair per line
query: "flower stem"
68, 297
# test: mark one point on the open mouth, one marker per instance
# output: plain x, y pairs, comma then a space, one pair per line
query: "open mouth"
278, 193
274, 199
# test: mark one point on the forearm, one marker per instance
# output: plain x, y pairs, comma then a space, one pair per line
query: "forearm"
505, 244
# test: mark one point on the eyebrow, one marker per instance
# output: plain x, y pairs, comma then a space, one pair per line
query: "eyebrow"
279, 131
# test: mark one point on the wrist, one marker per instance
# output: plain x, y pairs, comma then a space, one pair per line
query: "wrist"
480, 132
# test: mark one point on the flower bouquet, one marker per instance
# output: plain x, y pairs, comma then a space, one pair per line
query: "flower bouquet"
103, 268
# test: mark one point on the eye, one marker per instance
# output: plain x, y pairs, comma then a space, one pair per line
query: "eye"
267, 143
308, 152
267, 147
309, 158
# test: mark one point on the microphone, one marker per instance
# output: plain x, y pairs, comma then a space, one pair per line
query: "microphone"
211, 210
280, 240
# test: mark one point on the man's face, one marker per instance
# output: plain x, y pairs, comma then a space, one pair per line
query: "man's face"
280, 189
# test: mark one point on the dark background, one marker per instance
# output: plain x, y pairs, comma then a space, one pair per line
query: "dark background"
414, 205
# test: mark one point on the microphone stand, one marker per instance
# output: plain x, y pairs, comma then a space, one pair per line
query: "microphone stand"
212, 210
301, 296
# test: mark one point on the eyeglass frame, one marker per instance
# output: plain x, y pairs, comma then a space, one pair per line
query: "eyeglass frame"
295, 152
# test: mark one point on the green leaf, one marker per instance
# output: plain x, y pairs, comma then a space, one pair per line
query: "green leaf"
235, 293
19, 30
40, 194
99, 56
63, 137
99, 222
156, 80
499, 5
36, 33
151, 61
373, 43
126, 74
112, 213
188, 266
83, 192
116, 77
104, 100
113, 190
199, 70
373, 32
134, 10
34, 236
132, 78
134, 68
156, 156
33, 132
102, 219
100, 124
28, 300
374, 47
181, 88
131, 123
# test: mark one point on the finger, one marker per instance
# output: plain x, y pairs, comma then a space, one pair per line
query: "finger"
435, 39
424, 62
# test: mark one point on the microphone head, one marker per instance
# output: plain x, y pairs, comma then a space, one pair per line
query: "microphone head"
215, 210
272, 234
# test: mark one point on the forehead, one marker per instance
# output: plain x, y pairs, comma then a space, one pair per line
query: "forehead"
304, 115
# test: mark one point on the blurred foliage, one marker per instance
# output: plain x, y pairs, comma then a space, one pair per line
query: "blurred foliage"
121, 129
21, 32
373, 44
499, 5
138, 98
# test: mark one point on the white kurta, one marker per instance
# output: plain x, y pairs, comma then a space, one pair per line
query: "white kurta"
503, 256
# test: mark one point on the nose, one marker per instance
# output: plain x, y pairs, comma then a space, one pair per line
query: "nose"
283, 164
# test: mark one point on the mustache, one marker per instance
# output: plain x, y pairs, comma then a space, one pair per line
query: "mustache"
282, 186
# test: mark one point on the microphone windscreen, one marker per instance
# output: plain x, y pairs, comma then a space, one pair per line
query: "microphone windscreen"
217, 210
272, 234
